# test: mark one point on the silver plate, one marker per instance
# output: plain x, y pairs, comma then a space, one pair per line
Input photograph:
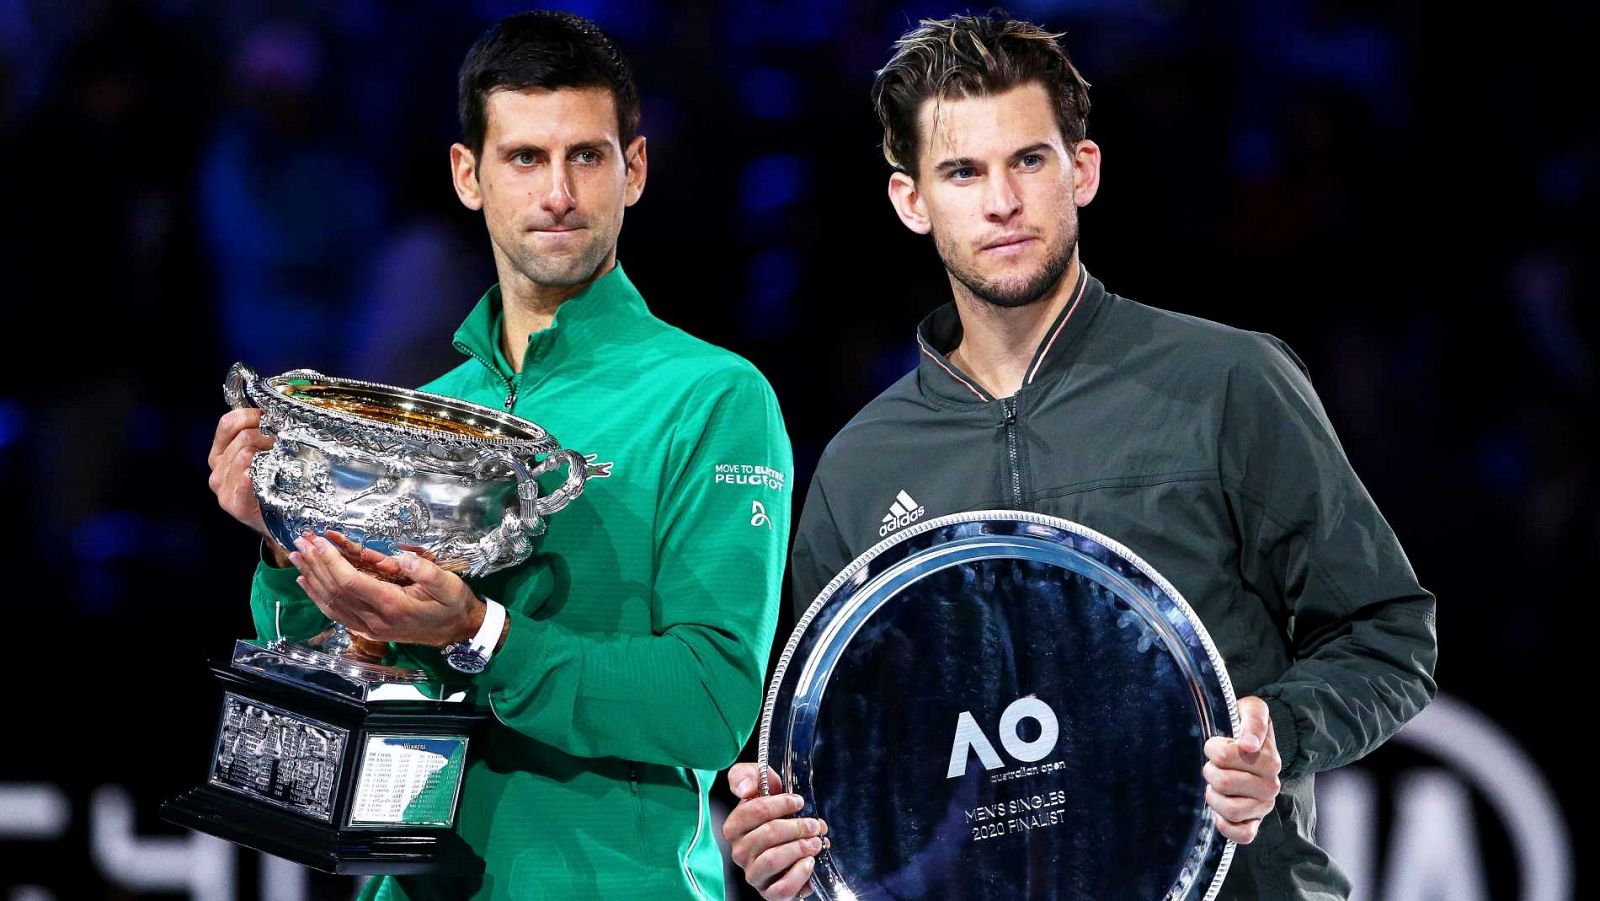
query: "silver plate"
1002, 705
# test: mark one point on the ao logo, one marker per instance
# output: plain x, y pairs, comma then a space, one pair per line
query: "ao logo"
970, 737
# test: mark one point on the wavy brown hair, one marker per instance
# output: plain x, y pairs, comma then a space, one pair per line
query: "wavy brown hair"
972, 56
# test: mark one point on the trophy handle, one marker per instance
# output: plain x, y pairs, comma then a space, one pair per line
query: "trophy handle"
242, 380
577, 471
535, 508
236, 388
509, 541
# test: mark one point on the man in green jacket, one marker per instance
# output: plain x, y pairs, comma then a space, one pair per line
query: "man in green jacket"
1201, 447
627, 665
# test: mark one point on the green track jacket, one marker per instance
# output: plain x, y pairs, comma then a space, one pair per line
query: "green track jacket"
633, 670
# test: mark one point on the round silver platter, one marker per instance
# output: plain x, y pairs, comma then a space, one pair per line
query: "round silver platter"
1002, 705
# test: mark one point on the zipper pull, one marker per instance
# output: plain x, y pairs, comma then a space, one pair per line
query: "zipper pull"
1009, 405
511, 399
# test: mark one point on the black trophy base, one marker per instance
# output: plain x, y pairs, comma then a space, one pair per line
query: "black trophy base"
340, 783
365, 852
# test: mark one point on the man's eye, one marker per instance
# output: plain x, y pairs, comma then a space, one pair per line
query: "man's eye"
587, 156
523, 158
964, 173
1033, 161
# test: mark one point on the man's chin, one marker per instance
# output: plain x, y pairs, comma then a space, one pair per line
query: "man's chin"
1020, 283
1014, 291
562, 271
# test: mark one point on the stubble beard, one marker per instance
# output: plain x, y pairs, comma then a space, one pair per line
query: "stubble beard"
1012, 292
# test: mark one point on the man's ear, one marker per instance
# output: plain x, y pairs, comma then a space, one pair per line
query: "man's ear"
908, 203
638, 163
1085, 172
464, 174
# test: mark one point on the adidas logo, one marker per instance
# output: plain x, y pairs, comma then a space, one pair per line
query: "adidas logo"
903, 511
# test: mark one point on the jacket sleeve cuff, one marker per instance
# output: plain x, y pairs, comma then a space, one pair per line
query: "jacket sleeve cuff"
521, 660
279, 580
279, 609
278, 583
1286, 731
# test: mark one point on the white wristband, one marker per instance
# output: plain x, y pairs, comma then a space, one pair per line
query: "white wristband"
494, 620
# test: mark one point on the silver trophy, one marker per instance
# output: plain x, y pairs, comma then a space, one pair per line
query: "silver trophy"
396, 469
326, 755
997, 705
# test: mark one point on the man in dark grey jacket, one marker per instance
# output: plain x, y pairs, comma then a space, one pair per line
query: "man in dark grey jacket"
1201, 447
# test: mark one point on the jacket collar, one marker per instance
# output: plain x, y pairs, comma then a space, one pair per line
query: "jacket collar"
587, 318
940, 333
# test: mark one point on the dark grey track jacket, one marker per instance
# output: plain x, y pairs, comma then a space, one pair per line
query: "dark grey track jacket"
1205, 450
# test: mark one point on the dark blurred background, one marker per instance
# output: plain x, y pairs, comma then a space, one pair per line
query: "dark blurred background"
1399, 190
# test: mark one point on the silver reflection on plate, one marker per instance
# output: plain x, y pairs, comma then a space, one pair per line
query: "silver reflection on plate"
1002, 705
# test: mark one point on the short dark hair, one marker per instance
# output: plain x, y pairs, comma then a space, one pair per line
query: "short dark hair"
543, 49
972, 56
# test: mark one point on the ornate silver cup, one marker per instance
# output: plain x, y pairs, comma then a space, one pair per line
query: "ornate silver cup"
397, 469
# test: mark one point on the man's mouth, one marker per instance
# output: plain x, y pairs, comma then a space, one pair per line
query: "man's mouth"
1010, 243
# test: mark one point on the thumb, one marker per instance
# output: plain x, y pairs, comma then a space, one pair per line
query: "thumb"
1254, 721
742, 780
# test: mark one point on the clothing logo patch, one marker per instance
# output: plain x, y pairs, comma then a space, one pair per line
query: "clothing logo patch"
597, 470
903, 511
758, 515
749, 474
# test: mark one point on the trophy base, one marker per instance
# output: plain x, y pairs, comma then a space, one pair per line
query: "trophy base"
320, 847
342, 771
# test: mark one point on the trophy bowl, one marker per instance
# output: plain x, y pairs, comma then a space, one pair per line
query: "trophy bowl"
396, 469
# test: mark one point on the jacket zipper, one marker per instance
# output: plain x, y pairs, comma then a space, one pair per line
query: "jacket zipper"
514, 384
511, 387
1009, 405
